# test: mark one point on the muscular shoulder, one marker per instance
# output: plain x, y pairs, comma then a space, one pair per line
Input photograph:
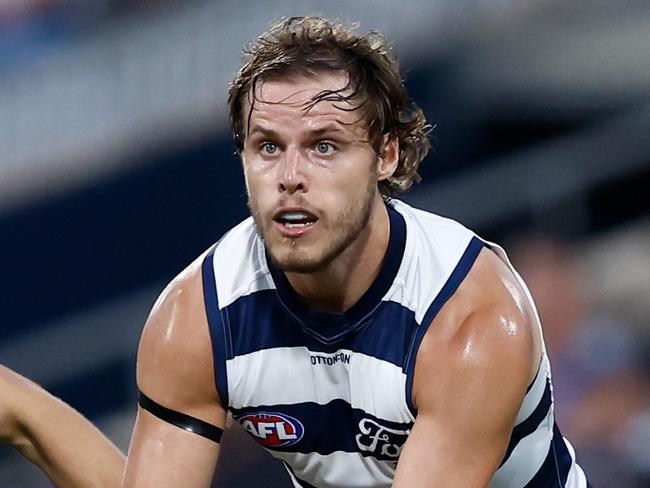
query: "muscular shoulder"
485, 334
175, 365
178, 312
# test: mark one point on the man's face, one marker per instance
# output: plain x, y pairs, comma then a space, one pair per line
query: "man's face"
310, 172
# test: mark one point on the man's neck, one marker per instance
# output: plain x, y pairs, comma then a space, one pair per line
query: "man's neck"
344, 281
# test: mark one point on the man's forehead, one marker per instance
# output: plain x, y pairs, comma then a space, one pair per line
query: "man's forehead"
307, 96
296, 87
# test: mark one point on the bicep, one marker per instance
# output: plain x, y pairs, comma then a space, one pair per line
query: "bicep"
471, 376
175, 372
162, 454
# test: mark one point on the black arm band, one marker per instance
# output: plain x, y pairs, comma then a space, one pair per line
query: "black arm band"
185, 422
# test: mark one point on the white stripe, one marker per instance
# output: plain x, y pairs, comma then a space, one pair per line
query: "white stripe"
526, 459
434, 245
287, 375
534, 395
379, 388
239, 264
349, 469
581, 477
576, 477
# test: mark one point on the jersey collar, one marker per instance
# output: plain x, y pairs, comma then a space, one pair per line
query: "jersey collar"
330, 327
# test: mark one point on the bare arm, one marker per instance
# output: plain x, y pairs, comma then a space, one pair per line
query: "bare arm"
175, 369
471, 375
55, 437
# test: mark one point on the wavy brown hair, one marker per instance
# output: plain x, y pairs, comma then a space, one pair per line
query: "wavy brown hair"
305, 46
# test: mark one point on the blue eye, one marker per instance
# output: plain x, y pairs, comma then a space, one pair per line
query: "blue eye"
269, 148
325, 148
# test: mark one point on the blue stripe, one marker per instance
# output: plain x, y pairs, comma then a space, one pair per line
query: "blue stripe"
219, 330
453, 282
259, 321
332, 427
555, 469
529, 425
562, 456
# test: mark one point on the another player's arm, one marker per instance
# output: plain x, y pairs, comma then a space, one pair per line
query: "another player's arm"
55, 437
471, 374
175, 370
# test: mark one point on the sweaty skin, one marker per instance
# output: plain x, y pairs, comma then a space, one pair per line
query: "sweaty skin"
472, 371
175, 369
323, 165
66, 446
473, 366
318, 160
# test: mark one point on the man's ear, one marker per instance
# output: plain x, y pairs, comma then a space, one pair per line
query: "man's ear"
388, 156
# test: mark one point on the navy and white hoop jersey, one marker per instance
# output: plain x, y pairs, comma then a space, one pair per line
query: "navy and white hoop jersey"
329, 394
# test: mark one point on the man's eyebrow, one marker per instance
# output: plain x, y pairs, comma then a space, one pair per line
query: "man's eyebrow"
318, 132
264, 132
327, 129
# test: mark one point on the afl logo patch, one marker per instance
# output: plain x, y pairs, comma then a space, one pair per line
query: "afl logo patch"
273, 429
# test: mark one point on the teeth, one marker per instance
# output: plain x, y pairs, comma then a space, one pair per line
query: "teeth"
289, 216
293, 225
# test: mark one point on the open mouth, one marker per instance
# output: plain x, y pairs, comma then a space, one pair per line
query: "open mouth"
295, 219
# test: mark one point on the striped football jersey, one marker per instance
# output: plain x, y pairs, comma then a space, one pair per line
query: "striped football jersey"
329, 394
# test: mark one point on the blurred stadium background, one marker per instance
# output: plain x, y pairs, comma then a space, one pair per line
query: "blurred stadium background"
116, 170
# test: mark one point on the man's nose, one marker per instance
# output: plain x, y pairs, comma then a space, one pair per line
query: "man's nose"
292, 174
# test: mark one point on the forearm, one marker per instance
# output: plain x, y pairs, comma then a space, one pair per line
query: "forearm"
71, 451
433, 456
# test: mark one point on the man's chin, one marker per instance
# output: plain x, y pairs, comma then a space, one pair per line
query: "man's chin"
294, 264
297, 260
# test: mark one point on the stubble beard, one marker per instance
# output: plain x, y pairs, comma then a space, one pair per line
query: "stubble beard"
348, 226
